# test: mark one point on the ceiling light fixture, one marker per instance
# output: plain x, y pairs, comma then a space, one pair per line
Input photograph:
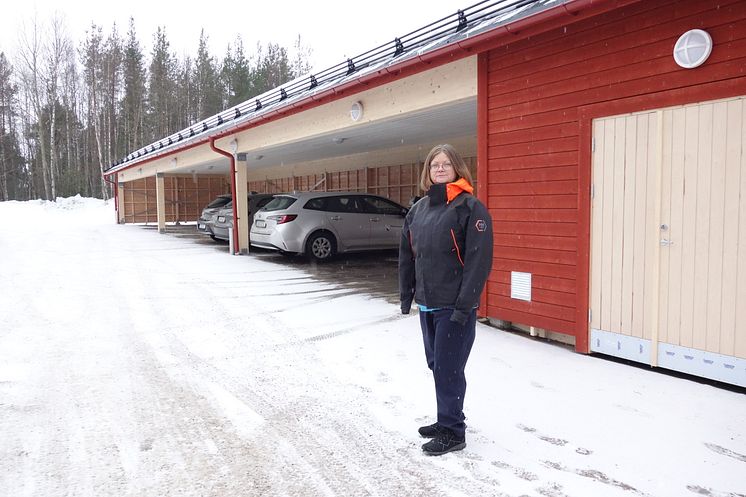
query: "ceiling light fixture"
356, 111
692, 49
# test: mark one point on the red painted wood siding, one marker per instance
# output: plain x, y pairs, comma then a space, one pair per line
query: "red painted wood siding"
542, 93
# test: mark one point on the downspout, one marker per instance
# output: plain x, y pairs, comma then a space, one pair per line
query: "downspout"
116, 195
233, 189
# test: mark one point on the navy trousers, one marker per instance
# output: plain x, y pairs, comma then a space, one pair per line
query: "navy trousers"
447, 348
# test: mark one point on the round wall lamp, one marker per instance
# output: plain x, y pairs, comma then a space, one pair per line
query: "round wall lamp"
692, 48
356, 111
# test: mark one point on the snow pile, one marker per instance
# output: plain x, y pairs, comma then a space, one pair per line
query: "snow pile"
81, 210
65, 211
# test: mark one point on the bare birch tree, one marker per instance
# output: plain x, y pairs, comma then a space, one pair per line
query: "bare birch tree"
30, 64
57, 51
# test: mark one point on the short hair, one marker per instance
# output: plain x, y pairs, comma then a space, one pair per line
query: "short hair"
462, 171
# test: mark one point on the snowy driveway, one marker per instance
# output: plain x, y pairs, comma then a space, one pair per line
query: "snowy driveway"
146, 365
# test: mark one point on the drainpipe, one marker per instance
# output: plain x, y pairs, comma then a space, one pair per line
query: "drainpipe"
116, 195
233, 190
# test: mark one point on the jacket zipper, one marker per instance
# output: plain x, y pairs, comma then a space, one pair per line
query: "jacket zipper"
458, 252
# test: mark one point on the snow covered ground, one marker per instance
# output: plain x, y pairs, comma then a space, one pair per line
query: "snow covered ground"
145, 365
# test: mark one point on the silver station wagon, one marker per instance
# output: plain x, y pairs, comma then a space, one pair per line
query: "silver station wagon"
322, 224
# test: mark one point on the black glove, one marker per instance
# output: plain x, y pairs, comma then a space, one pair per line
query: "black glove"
459, 317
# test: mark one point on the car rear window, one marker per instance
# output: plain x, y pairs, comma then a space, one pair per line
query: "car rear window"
279, 203
263, 202
316, 204
218, 202
375, 205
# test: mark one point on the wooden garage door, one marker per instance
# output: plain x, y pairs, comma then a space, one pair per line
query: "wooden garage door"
668, 233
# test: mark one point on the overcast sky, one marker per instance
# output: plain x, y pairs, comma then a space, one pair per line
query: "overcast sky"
333, 29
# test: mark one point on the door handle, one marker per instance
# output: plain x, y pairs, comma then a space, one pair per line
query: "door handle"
375, 219
335, 218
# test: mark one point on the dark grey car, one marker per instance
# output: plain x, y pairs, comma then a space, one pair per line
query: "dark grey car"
223, 218
209, 213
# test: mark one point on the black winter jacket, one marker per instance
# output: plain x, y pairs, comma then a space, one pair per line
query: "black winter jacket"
445, 253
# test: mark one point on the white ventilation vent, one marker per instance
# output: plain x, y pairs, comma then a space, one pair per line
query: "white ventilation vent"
520, 286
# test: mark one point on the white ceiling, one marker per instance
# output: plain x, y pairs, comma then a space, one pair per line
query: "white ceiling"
392, 141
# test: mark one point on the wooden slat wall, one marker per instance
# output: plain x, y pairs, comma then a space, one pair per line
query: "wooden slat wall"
536, 88
185, 197
399, 183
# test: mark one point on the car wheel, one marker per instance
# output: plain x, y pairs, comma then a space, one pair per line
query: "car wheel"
321, 246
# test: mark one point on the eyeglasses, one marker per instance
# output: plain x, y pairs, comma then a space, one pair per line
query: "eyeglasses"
445, 166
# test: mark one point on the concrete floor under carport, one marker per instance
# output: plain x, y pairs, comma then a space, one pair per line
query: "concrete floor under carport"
373, 273
401, 121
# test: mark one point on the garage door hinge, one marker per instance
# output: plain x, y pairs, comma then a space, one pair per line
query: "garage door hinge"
593, 190
590, 315
593, 144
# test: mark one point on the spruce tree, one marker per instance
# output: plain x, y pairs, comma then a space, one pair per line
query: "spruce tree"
209, 98
236, 75
132, 114
162, 114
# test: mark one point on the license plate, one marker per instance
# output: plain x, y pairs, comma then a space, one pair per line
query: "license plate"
201, 226
261, 224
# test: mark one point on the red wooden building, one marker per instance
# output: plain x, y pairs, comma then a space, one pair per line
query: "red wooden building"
556, 105
615, 175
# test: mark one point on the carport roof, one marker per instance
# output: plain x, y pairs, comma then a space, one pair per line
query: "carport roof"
450, 30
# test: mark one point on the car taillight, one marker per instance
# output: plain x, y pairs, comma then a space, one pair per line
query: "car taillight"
285, 218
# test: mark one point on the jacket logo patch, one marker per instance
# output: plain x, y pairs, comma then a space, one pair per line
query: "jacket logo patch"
481, 225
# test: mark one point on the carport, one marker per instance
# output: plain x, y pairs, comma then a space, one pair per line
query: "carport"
364, 125
369, 133
323, 148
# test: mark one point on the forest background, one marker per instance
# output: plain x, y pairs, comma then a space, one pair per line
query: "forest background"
67, 111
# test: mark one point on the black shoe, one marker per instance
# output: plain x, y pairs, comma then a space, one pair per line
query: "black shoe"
445, 442
430, 431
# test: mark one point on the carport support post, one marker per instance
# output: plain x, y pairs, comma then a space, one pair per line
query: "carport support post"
120, 203
242, 204
160, 197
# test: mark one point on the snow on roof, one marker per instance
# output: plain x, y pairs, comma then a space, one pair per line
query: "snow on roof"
476, 19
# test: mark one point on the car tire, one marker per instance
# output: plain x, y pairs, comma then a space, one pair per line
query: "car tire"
321, 247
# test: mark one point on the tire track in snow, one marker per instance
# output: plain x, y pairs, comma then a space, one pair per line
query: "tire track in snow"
327, 444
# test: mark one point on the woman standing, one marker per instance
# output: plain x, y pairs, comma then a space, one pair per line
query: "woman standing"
445, 256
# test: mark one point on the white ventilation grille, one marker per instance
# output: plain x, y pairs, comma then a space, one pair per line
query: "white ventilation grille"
520, 286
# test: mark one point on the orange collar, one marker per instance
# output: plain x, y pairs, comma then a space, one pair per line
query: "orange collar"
454, 189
